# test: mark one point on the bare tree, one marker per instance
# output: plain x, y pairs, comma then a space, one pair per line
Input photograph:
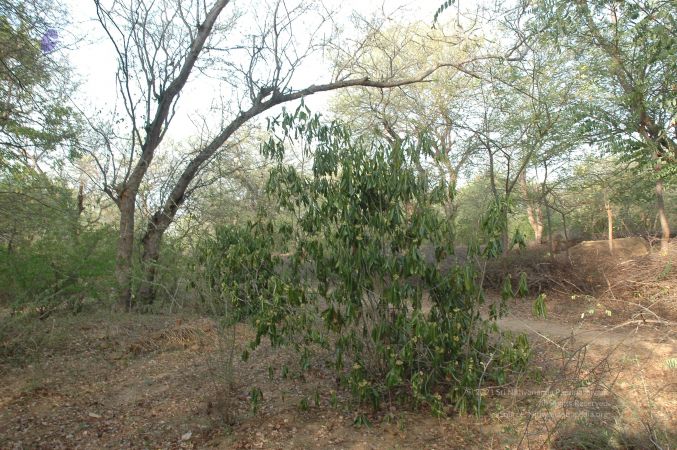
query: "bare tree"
431, 108
159, 45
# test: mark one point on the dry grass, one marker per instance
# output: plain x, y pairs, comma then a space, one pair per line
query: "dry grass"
639, 290
646, 286
192, 335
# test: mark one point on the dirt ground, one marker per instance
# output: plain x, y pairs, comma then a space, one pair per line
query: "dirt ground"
154, 382
106, 380
133, 381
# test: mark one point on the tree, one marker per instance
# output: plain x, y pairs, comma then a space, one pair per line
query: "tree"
516, 120
159, 46
33, 85
53, 252
605, 197
519, 115
433, 108
629, 49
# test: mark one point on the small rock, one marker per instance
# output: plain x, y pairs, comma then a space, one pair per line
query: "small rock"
186, 436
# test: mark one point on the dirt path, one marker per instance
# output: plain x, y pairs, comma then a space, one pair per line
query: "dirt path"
596, 333
629, 335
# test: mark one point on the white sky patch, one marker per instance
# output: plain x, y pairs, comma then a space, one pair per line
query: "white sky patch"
95, 63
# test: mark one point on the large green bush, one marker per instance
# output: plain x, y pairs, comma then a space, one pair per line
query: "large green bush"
396, 324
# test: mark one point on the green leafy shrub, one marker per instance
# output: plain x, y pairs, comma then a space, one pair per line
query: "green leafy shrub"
51, 258
52, 270
396, 324
241, 265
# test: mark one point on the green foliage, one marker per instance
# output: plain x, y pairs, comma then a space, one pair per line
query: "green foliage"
50, 256
627, 52
255, 398
473, 202
34, 118
396, 324
361, 420
54, 269
495, 225
240, 264
480, 218
627, 187
523, 289
539, 309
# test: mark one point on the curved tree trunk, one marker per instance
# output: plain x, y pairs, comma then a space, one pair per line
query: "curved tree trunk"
166, 214
154, 130
151, 242
149, 259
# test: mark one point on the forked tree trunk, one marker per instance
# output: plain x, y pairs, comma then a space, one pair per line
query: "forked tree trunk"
155, 127
155, 133
665, 226
166, 214
150, 254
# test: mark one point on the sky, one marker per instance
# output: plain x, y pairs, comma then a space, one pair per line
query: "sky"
94, 61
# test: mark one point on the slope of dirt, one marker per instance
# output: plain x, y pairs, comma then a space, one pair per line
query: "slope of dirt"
623, 248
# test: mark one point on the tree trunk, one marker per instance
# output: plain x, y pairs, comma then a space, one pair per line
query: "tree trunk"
505, 238
149, 259
534, 212
155, 128
665, 226
551, 242
123, 263
610, 225
151, 243
535, 216
449, 206
81, 198
564, 225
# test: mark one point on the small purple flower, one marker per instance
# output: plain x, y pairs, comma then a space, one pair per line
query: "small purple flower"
49, 40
